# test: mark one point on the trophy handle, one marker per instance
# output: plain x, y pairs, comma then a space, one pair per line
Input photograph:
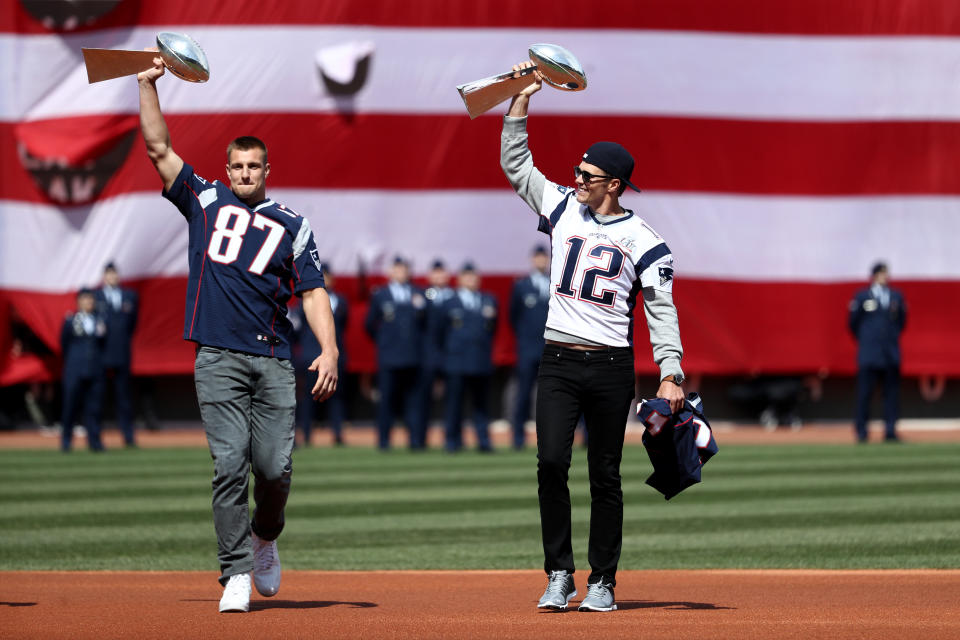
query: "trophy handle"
480, 96
104, 64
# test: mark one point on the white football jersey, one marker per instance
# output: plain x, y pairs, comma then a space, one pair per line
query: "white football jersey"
598, 269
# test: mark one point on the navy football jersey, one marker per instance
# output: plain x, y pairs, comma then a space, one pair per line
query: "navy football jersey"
243, 261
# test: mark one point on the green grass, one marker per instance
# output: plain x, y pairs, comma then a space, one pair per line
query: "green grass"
817, 506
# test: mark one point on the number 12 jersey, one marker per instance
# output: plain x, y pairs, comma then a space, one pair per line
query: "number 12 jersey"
599, 267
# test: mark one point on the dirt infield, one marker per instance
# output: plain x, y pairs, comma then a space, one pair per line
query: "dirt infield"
191, 435
879, 605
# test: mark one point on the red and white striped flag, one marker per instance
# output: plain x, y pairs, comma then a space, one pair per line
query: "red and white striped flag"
783, 148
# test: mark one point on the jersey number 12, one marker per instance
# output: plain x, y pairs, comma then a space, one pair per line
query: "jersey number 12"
588, 279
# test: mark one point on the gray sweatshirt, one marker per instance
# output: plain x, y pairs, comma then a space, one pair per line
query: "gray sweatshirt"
517, 163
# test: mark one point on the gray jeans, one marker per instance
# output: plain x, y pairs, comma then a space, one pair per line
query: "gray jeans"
247, 404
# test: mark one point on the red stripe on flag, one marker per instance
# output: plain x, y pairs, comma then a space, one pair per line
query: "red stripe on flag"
324, 151
726, 327
811, 17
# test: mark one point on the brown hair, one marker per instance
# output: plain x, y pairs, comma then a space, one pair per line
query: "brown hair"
246, 143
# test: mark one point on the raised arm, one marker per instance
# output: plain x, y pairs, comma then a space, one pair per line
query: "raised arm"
515, 157
154, 128
316, 309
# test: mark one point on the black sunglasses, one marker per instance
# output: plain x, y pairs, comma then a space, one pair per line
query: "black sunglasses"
589, 177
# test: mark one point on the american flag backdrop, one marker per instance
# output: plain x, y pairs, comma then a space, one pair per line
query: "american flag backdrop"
783, 147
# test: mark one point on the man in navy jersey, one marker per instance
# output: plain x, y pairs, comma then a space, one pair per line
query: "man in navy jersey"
245, 252
604, 259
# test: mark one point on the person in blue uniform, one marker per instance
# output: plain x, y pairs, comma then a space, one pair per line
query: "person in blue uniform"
877, 317
306, 349
395, 321
247, 254
437, 294
118, 307
529, 301
469, 325
82, 342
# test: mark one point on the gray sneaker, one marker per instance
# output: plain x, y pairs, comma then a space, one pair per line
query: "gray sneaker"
559, 591
599, 598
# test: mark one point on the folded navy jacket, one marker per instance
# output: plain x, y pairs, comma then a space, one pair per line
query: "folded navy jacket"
678, 444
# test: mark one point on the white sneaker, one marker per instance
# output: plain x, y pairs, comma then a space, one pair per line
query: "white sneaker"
236, 594
266, 566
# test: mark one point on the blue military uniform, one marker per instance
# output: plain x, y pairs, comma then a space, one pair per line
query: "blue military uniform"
395, 321
877, 317
433, 346
82, 341
529, 301
119, 307
306, 349
469, 324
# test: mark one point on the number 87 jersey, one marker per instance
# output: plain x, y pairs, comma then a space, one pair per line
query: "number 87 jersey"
599, 268
243, 260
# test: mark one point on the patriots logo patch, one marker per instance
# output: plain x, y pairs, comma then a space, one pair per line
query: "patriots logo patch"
666, 275
315, 256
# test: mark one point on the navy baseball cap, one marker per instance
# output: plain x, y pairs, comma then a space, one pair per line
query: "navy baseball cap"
398, 259
85, 291
540, 250
467, 267
612, 158
437, 264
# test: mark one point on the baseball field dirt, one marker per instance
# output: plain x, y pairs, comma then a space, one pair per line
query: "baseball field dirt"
878, 605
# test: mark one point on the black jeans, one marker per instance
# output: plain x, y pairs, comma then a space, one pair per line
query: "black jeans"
600, 386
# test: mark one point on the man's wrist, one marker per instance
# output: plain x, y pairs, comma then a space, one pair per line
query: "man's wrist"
675, 378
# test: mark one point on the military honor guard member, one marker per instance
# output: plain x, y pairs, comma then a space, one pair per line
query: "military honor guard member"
469, 326
437, 294
395, 321
529, 300
306, 349
605, 261
82, 341
119, 308
877, 317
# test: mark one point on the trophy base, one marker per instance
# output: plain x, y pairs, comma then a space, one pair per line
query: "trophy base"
482, 95
106, 64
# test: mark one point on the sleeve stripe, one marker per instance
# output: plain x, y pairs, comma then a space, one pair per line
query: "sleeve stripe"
652, 256
302, 239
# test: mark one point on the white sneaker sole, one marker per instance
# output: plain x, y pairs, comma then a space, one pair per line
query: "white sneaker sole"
557, 607
583, 608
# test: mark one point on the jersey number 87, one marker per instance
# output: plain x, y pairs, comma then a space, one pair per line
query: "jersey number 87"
231, 225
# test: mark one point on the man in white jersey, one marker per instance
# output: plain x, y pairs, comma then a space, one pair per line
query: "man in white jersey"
604, 257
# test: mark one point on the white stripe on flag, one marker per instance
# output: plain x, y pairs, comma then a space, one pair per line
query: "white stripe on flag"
715, 237
417, 70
